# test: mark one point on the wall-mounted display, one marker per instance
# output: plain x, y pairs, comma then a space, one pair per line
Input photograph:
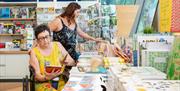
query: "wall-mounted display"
118, 2
175, 18
147, 14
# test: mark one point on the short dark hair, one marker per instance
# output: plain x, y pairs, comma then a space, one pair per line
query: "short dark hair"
41, 28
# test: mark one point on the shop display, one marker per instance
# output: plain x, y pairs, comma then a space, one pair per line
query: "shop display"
150, 47
88, 46
118, 2
165, 15
17, 12
121, 75
169, 18
175, 18
146, 62
83, 82
173, 70
156, 59
90, 64
98, 21
45, 14
19, 25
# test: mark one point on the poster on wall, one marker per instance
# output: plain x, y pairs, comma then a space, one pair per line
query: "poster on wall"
175, 18
165, 12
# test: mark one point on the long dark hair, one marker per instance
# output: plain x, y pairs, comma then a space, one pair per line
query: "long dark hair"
69, 12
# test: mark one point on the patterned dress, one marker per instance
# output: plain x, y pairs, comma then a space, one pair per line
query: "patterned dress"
52, 59
67, 38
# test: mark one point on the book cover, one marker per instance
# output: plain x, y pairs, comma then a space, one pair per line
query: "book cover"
16, 43
13, 12
4, 12
22, 12
50, 69
32, 12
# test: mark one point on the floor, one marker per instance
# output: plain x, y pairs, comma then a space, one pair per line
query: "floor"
11, 86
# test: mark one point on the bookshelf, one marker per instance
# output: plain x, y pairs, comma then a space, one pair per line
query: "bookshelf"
11, 34
16, 23
17, 19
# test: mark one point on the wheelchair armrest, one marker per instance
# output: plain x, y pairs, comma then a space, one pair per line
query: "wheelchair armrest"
32, 78
32, 71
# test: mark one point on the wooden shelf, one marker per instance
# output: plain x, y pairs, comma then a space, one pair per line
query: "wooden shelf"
11, 34
13, 4
16, 19
14, 52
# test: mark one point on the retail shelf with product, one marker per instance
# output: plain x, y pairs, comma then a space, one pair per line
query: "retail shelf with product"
16, 37
16, 25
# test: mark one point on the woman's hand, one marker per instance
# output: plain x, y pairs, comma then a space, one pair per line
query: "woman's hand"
52, 75
98, 40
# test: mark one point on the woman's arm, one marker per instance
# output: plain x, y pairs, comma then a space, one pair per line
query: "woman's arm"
35, 64
69, 60
55, 25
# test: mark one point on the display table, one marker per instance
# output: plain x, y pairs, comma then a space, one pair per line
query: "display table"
81, 81
120, 75
154, 85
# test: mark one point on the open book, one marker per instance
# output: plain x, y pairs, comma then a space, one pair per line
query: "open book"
51, 68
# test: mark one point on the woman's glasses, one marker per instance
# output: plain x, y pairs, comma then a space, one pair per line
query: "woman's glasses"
47, 37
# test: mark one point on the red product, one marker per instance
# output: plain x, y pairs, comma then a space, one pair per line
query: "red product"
2, 45
49, 69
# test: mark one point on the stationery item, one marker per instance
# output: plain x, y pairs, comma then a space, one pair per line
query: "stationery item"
50, 69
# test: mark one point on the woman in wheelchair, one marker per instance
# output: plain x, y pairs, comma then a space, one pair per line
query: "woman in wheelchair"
48, 53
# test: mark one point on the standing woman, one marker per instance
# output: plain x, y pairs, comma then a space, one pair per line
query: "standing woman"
65, 30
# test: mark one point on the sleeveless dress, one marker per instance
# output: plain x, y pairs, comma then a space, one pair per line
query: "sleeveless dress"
52, 59
67, 38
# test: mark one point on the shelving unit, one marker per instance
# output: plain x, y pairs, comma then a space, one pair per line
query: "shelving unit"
11, 34
16, 19
14, 33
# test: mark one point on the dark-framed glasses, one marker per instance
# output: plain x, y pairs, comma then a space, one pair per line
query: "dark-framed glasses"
47, 37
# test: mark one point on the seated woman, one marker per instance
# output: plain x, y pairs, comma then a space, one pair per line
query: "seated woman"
47, 53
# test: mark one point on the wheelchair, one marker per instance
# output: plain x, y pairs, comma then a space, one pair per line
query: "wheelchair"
31, 80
